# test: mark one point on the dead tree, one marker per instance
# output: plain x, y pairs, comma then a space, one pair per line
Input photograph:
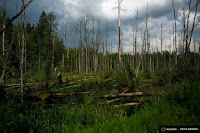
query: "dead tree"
119, 48
86, 26
3, 43
19, 42
111, 60
161, 39
103, 60
76, 47
65, 39
22, 54
106, 64
175, 31
189, 33
52, 62
80, 48
70, 34
98, 40
16, 16
63, 62
136, 30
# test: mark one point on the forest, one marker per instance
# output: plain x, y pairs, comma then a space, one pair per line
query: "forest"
79, 83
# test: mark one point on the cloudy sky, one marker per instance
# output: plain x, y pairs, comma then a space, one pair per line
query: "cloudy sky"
67, 11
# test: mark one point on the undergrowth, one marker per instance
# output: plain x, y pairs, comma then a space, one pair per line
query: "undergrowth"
178, 108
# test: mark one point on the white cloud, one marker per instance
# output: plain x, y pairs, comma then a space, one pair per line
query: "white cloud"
160, 11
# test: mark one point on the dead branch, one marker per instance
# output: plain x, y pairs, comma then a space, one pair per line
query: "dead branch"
124, 95
111, 101
126, 105
13, 18
71, 93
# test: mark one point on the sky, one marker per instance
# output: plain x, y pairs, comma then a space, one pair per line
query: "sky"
68, 11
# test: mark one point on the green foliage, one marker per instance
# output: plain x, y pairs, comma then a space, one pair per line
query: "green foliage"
126, 78
121, 79
168, 111
147, 73
188, 96
108, 74
38, 75
163, 76
186, 70
32, 117
67, 81
131, 77
2, 92
47, 73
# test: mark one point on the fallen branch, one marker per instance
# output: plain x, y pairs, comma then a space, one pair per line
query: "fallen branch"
71, 93
124, 95
27, 84
111, 101
126, 105
72, 86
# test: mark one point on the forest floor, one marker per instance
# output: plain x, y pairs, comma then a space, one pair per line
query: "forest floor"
93, 103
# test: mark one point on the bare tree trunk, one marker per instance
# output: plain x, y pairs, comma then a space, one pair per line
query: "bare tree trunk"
153, 61
165, 56
52, 62
87, 24
119, 49
111, 61
25, 56
39, 53
175, 32
3, 43
133, 50
70, 34
106, 48
161, 43
98, 39
136, 17
93, 45
103, 61
63, 62
170, 60
76, 49
19, 41
65, 38
22, 54
184, 31
80, 49
198, 59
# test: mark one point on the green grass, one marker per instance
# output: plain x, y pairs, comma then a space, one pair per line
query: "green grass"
28, 117
178, 108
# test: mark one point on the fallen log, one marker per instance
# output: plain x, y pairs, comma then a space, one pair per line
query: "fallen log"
126, 105
72, 86
71, 93
124, 95
12, 86
111, 101
29, 84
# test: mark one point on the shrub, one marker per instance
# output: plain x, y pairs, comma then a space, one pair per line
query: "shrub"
164, 76
121, 79
185, 70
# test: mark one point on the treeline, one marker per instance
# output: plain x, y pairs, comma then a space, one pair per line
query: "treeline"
45, 52
42, 45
